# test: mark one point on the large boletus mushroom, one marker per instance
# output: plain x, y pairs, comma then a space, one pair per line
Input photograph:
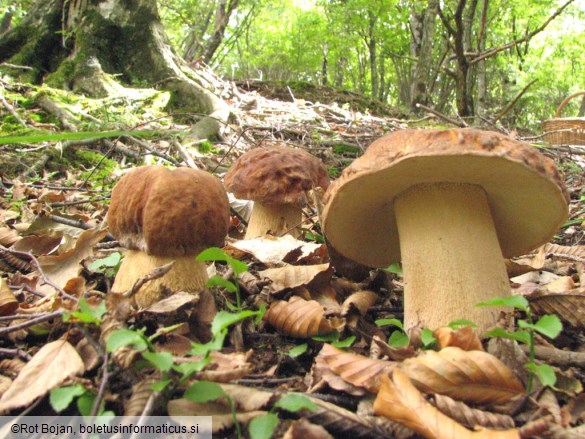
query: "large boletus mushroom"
449, 204
277, 179
164, 215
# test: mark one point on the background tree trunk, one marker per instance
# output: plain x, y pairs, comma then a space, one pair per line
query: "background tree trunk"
80, 47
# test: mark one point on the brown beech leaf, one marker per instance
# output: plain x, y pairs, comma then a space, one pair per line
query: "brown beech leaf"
52, 364
470, 417
322, 376
573, 252
400, 401
356, 369
465, 338
303, 429
8, 302
292, 276
67, 265
569, 306
272, 250
470, 376
361, 301
300, 318
381, 348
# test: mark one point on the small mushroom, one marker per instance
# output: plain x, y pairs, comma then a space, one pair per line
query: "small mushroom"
277, 179
164, 215
451, 204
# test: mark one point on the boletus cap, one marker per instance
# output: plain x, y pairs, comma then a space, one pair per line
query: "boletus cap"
276, 175
526, 197
167, 212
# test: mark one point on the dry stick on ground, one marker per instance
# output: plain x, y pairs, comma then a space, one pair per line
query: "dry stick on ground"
31, 322
442, 116
15, 353
154, 274
558, 357
67, 120
102, 388
10, 109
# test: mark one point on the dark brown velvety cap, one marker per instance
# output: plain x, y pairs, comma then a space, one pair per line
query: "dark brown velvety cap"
169, 212
276, 175
525, 193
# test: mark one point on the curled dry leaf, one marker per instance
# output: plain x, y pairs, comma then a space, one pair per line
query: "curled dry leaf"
569, 306
469, 417
292, 276
361, 301
141, 392
226, 367
303, 429
465, 338
470, 376
400, 401
300, 318
322, 376
356, 369
8, 236
573, 252
8, 302
52, 364
379, 347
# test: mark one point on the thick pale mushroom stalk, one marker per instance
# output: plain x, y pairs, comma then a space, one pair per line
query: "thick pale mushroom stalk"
186, 274
450, 254
276, 219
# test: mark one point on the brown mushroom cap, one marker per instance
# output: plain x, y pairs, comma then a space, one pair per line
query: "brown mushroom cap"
276, 175
527, 199
167, 212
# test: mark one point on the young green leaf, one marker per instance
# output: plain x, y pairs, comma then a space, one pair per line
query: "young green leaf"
327, 338
345, 343
262, 427
394, 268
110, 261
204, 391
217, 254
188, 369
86, 313
224, 320
163, 361
218, 281
387, 322
546, 374
517, 302
521, 336
427, 338
461, 323
549, 325
293, 402
161, 385
125, 337
398, 339
298, 350
62, 397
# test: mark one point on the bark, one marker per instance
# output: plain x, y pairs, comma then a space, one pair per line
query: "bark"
223, 12
372, 46
481, 69
324, 64
81, 45
423, 33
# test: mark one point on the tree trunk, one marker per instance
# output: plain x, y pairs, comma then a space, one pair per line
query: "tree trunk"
82, 45
372, 46
324, 64
481, 69
423, 33
223, 13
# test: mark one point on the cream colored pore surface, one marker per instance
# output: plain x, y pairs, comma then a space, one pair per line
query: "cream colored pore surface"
359, 220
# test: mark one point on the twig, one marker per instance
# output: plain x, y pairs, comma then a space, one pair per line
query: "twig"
185, 155
32, 322
151, 150
10, 108
154, 274
513, 101
15, 353
78, 202
102, 389
460, 124
64, 116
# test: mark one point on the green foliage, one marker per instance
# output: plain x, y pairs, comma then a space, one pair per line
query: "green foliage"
398, 339
108, 265
394, 268
334, 339
61, 398
548, 325
298, 350
86, 313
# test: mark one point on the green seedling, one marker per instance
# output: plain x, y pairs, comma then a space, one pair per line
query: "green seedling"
428, 339
62, 397
262, 427
298, 350
333, 339
394, 268
108, 265
548, 325
398, 339
238, 267
315, 237
86, 313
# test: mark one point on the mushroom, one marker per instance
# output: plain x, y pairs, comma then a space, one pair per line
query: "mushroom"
451, 204
277, 179
164, 215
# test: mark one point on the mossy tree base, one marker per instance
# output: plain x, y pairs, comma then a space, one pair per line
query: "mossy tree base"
94, 47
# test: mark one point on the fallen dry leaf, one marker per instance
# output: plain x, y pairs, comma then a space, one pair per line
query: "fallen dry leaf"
400, 401
465, 338
356, 369
303, 429
470, 376
292, 276
8, 302
51, 365
66, 266
360, 301
301, 318
568, 306
272, 250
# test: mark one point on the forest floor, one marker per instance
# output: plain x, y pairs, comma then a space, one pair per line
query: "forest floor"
54, 250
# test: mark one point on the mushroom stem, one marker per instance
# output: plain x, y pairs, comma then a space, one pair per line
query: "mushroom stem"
450, 254
187, 274
275, 219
